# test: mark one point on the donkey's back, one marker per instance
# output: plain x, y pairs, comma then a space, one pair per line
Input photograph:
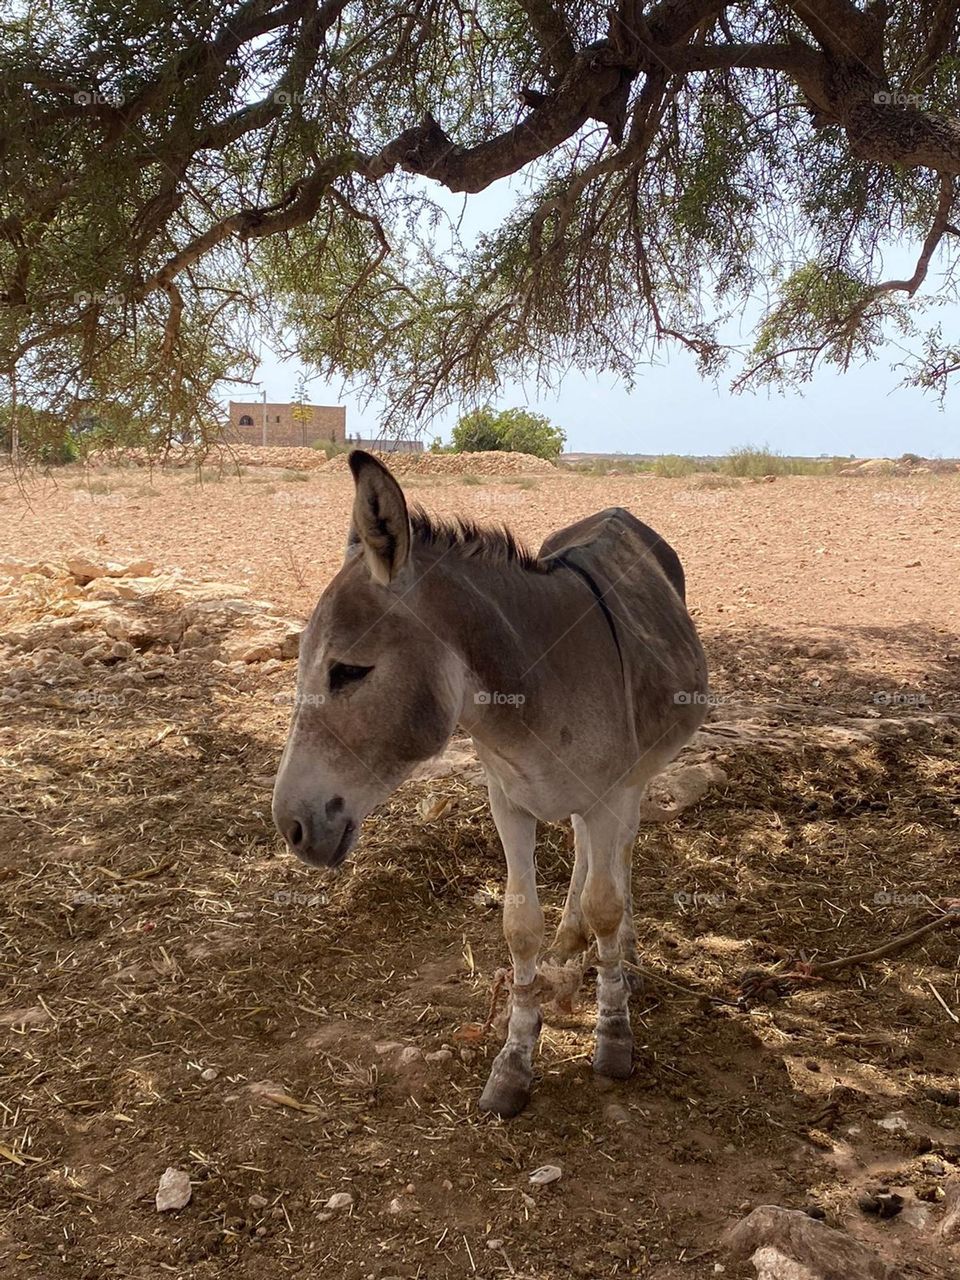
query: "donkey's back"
595, 535
638, 584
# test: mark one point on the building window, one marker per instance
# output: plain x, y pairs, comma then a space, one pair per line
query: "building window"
246, 420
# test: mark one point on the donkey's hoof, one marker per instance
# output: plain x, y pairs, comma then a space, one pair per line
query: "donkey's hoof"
613, 1059
504, 1100
507, 1090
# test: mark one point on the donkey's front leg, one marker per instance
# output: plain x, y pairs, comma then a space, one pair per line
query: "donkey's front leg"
604, 904
507, 1090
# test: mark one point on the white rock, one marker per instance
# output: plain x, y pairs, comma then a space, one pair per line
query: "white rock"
135, 569
339, 1200
257, 1202
383, 1047
771, 1264
84, 570
209, 1073
546, 1173
895, 1122
439, 1055
410, 1055
173, 1191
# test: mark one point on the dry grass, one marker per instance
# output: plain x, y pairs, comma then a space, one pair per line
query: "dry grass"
154, 932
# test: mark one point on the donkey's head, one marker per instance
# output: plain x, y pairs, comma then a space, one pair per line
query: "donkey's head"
377, 690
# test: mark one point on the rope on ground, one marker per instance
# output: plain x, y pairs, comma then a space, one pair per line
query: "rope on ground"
557, 984
756, 984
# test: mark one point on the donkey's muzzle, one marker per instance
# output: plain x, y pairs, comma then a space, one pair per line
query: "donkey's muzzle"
319, 839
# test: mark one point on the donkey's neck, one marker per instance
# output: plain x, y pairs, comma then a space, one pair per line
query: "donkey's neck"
523, 638
483, 612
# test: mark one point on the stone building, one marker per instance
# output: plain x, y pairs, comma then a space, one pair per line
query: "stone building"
286, 424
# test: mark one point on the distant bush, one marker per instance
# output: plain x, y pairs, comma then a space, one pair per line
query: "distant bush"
672, 465
57, 452
330, 447
609, 466
749, 460
511, 430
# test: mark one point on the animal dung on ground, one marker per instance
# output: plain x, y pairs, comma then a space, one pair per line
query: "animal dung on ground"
545, 1174
174, 1190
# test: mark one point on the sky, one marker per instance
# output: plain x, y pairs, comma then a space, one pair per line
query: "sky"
672, 409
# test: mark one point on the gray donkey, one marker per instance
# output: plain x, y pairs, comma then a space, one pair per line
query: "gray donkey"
577, 673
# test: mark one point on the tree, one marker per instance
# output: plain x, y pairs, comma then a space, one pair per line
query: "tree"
477, 432
176, 178
512, 430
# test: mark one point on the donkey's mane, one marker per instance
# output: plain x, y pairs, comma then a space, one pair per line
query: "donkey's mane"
495, 545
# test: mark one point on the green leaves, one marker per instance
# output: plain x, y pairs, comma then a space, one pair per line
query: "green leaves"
512, 430
177, 181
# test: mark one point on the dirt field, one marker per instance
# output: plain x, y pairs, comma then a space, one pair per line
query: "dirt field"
179, 992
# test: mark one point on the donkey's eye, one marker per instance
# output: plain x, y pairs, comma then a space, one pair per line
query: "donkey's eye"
342, 674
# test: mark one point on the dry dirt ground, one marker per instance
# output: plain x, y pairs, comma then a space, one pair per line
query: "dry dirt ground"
178, 992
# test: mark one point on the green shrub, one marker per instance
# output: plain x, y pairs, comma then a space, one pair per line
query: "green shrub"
749, 460
672, 465
56, 452
510, 430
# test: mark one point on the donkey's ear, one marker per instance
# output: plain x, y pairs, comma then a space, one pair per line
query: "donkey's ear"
380, 523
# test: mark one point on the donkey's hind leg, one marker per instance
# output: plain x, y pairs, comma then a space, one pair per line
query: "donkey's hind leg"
611, 824
628, 927
572, 938
507, 1090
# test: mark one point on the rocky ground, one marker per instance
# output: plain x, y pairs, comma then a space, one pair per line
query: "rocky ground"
295, 1060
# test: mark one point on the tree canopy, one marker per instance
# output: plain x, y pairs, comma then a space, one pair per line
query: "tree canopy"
175, 179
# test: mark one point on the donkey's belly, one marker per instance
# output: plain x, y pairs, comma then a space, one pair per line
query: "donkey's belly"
553, 785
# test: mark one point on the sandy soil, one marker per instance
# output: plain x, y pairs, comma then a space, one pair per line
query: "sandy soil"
179, 993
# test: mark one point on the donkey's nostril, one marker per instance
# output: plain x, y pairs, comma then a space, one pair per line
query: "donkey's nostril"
295, 835
334, 806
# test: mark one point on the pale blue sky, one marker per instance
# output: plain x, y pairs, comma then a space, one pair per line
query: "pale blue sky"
672, 410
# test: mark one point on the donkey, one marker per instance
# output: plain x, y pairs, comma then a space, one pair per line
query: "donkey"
578, 674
